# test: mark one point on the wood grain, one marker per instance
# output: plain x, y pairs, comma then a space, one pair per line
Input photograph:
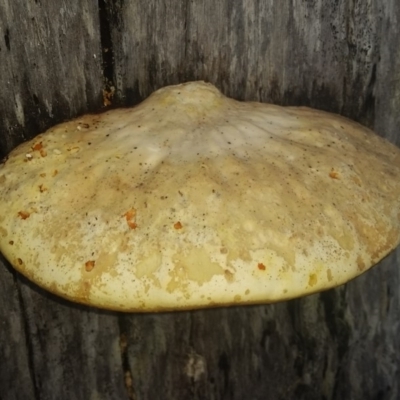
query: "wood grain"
57, 58
50, 62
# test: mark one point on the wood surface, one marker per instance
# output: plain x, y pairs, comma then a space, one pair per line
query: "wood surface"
60, 59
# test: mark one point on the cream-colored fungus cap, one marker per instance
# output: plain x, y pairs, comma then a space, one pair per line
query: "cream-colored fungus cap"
193, 200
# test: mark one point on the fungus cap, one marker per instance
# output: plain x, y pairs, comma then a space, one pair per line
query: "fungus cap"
193, 200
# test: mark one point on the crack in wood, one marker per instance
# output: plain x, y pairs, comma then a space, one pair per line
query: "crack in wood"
29, 344
126, 368
107, 50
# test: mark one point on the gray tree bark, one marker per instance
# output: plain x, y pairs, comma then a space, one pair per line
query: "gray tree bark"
61, 59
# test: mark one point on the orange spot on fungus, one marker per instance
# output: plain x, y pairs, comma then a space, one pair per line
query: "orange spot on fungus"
89, 265
24, 214
178, 225
261, 266
37, 146
130, 216
334, 174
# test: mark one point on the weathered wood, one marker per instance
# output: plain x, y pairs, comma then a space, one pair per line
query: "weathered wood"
57, 57
78, 348
50, 62
15, 370
316, 53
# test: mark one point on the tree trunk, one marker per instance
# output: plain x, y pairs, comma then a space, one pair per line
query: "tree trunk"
61, 59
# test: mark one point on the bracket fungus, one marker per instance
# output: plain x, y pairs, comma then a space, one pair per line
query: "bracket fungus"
192, 199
